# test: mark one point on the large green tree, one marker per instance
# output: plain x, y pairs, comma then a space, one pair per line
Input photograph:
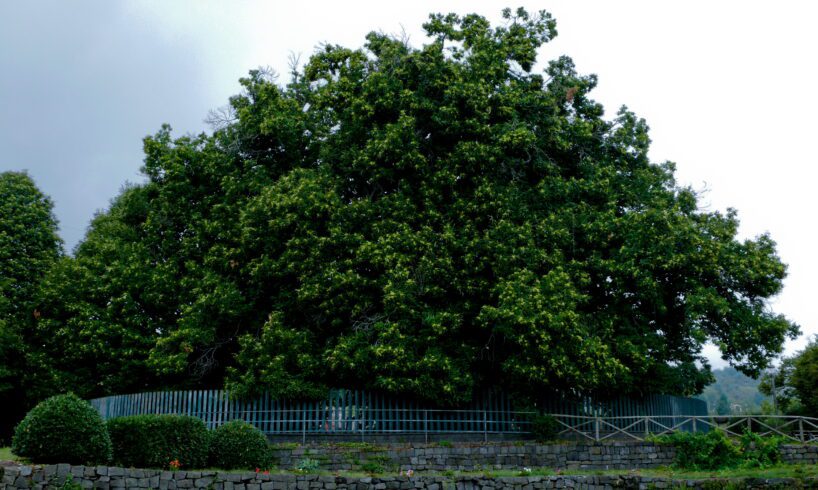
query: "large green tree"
431, 222
29, 246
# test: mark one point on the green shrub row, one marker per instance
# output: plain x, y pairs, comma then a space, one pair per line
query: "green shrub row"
67, 429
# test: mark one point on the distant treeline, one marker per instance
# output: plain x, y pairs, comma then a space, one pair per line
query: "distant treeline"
740, 391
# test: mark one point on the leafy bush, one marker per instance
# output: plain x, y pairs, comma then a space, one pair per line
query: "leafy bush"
714, 450
307, 465
703, 451
63, 429
153, 441
760, 452
372, 467
238, 445
544, 427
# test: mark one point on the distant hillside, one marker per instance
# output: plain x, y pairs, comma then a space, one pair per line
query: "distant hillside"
741, 392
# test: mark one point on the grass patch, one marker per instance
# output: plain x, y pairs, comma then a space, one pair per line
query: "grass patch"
778, 471
366, 447
5, 454
284, 446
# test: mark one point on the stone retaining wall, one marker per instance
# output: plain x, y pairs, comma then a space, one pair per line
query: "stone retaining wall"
799, 454
478, 457
103, 477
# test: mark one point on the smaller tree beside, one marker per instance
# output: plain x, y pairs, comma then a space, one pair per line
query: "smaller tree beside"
29, 246
804, 379
723, 407
795, 383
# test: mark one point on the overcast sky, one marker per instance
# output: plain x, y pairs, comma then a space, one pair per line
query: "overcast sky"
728, 88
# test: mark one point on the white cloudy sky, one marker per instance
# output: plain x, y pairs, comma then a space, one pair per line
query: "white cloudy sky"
728, 88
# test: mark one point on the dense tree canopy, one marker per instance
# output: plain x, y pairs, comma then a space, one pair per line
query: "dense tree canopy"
431, 222
29, 246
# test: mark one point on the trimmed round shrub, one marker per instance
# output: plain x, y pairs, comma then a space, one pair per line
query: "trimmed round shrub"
238, 445
63, 429
153, 441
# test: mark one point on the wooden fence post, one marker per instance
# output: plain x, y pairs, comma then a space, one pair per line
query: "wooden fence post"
801, 429
596, 428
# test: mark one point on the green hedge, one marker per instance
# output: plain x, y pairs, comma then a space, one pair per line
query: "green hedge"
153, 441
63, 429
238, 445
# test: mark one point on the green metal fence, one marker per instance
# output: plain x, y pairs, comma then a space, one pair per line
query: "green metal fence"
352, 412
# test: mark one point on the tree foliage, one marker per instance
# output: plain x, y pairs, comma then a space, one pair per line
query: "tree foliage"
430, 222
795, 382
29, 245
723, 407
99, 309
804, 379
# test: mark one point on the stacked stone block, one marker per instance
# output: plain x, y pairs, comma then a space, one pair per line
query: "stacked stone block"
64, 476
487, 456
433, 457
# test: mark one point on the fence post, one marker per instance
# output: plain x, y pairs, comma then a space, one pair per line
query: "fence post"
694, 424
426, 425
485, 427
303, 428
801, 429
647, 432
749, 424
596, 428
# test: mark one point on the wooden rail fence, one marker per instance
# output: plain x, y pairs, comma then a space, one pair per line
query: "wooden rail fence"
792, 428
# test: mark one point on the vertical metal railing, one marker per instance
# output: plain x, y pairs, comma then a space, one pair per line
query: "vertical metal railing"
365, 414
